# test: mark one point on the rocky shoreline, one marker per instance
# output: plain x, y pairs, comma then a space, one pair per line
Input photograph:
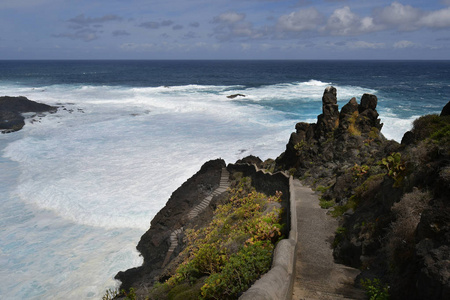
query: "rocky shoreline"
12, 108
363, 179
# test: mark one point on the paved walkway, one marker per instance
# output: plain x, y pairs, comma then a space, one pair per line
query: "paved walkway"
317, 275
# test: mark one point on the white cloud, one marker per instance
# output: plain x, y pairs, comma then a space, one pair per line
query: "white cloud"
86, 35
436, 19
302, 20
344, 22
137, 47
403, 44
365, 45
398, 15
245, 46
231, 25
229, 17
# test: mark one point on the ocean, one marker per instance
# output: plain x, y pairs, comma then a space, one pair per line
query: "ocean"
79, 187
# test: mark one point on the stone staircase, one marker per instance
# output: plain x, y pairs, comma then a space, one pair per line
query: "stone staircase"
223, 187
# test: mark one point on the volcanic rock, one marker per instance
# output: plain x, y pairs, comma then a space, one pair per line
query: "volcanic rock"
11, 109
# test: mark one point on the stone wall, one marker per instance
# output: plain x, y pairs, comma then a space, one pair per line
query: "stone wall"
277, 284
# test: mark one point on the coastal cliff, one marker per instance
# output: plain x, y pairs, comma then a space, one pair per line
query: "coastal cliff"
390, 198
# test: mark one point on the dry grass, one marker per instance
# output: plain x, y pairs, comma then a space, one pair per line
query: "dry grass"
352, 129
408, 210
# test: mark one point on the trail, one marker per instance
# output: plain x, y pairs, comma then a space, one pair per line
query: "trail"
317, 275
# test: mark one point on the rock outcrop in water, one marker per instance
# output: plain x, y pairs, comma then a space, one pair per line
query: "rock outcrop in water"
11, 109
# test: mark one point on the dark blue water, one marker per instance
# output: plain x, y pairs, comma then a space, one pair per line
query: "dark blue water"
415, 84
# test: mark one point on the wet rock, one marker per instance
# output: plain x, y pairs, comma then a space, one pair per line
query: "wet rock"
11, 109
235, 95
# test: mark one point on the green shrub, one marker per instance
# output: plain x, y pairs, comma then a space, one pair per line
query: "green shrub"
233, 250
325, 204
375, 289
395, 167
299, 147
359, 171
110, 294
240, 272
130, 295
425, 126
339, 210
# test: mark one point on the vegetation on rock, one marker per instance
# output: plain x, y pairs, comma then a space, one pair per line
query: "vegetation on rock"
223, 259
391, 199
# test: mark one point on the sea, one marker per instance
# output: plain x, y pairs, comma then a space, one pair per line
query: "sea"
80, 186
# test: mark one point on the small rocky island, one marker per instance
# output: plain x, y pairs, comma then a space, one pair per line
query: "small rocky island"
391, 199
12, 108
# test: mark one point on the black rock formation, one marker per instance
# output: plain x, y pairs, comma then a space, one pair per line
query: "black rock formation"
11, 109
155, 243
347, 159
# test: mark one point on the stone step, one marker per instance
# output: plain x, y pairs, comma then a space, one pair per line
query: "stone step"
344, 291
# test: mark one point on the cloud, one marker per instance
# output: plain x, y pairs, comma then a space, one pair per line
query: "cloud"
191, 35
157, 25
302, 20
229, 17
120, 33
437, 19
231, 25
404, 17
150, 25
365, 45
86, 35
194, 24
137, 47
408, 18
166, 23
81, 20
403, 44
344, 22
86, 28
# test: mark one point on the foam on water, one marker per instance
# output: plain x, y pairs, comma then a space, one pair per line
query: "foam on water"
89, 178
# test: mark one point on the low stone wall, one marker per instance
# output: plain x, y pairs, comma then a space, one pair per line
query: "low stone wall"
277, 284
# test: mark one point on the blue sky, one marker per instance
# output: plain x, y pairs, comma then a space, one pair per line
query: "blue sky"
224, 29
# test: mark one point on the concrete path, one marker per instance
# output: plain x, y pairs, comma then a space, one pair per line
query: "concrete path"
317, 275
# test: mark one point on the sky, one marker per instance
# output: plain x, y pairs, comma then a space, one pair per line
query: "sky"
224, 29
